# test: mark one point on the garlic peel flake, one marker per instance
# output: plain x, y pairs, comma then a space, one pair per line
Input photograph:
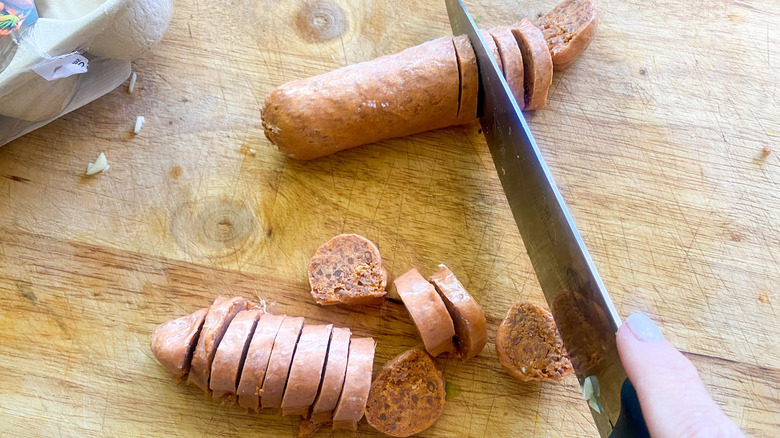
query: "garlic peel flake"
98, 166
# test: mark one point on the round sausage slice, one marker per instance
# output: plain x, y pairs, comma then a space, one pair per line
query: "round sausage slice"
428, 312
221, 313
512, 61
492, 47
529, 346
347, 269
256, 363
467, 315
537, 63
469, 79
468, 101
333, 377
357, 384
397, 95
279, 362
306, 369
230, 355
407, 396
569, 28
173, 342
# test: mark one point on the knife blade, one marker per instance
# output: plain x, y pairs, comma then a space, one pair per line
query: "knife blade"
578, 299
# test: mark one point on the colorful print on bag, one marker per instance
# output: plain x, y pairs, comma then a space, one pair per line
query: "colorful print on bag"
16, 14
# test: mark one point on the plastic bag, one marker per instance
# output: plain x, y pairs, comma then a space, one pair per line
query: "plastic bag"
59, 55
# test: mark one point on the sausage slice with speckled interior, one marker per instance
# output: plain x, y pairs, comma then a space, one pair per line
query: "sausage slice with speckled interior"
347, 269
529, 346
428, 312
537, 63
279, 362
306, 369
569, 28
407, 396
357, 383
173, 342
466, 313
220, 314
229, 358
333, 377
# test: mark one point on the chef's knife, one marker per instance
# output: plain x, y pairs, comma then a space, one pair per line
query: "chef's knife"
578, 300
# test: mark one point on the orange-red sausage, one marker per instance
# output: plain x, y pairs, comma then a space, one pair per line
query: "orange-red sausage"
357, 383
466, 313
225, 367
333, 377
306, 369
428, 312
256, 362
537, 63
173, 342
221, 313
279, 363
412, 91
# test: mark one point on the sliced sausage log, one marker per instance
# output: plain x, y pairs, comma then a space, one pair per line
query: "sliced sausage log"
173, 342
466, 313
407, 396
347, 269
231, 353
421, 88
279, 362
256, 363
537, 63
569, 28
357, 383
220, 314
409, 92
265, 369
512, 61
333, 377
306, 369
428, 312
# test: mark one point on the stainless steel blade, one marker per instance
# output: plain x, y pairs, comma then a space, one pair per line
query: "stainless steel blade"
583, 310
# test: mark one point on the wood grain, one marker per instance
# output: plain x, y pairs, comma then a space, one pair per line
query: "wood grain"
654, 137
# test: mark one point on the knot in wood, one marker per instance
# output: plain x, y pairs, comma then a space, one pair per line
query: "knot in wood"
213, 228
320, 21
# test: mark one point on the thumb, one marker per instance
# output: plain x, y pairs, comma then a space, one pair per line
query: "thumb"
672, 396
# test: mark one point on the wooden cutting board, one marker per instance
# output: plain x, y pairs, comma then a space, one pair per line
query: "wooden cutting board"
654, 136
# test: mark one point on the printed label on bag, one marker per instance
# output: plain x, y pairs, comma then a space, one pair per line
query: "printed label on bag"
62, 66
16, 14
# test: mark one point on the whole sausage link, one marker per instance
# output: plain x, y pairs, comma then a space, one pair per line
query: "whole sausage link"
396, 95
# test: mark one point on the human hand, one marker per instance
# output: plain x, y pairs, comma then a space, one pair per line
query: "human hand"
672, 396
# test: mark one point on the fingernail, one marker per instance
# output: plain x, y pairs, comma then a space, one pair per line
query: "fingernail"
644, 328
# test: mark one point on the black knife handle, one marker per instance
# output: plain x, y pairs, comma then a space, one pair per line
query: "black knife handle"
631, 422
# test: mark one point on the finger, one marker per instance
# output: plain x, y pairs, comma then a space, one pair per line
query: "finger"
672, 396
